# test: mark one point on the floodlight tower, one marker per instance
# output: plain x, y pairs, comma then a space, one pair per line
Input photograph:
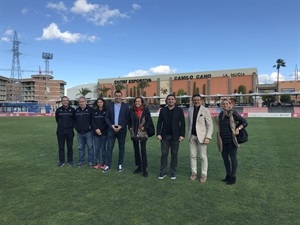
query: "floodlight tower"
47, 56
16, 75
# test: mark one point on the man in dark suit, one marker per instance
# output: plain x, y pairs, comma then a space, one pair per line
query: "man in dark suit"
170, 131
117, 118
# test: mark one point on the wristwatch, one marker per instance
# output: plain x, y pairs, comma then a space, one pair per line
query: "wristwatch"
239, 128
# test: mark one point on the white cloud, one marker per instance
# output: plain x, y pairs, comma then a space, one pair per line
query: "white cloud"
162, 69
52, 32
24, 10
136, 6
59, 6
154, 70
6, 36
82, 7
5, 39
137, 73
100, 15
9, 32
269, 78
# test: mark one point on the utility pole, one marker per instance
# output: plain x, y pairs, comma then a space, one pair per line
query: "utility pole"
14, 93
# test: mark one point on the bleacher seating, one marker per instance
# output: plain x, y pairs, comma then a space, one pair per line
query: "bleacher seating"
281, 109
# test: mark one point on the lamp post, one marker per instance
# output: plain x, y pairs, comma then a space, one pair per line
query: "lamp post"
47, 56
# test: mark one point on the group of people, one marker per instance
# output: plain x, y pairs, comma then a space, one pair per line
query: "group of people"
98, 128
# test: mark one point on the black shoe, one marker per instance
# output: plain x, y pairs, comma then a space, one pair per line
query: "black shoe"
145, 173
173, 176
138, 170
231, 180
161, 176
226, 179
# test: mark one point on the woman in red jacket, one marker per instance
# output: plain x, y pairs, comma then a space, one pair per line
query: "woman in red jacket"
141, 127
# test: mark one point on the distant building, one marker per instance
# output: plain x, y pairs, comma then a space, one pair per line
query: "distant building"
3, 82
205, 83
74, 92
39, 88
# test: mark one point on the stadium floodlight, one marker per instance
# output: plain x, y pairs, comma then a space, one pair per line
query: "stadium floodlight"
47, 56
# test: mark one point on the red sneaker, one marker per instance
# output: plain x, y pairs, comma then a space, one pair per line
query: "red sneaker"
102, 166
97, 166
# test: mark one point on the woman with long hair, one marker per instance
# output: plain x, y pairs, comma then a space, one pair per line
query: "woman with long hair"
140, 125
229, 124
100, 132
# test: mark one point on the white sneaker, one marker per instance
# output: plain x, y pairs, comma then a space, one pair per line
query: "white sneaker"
106, 169
120, 168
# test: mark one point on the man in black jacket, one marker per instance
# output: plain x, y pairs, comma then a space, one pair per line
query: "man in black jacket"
170, 131
64, 117
83, 126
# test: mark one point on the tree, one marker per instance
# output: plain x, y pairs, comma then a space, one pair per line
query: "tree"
119, 87
180, 92
84, 91
242, 89
195, 89
285, 98
103, 91
279, 63
142, 85
268, 99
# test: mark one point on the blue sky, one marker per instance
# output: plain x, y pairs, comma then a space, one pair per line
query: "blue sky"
93, 39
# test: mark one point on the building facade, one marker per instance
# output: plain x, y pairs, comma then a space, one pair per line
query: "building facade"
3, 83
39, 88
206, 83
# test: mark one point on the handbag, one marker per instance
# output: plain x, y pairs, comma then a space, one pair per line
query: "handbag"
150, 129
242, 137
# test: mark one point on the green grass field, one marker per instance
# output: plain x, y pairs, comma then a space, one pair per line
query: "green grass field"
33, 190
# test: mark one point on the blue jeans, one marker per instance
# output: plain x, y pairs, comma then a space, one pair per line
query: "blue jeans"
100, 146
121, 136
83, 140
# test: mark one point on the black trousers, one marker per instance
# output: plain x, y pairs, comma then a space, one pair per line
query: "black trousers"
65, 136
166, 144
140, 154
229, 155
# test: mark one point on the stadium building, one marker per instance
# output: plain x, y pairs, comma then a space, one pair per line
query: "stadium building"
220, 82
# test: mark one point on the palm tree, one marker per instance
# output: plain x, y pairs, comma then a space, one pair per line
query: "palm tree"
84, 91
103, 90
279, 63
142, 85
119, 86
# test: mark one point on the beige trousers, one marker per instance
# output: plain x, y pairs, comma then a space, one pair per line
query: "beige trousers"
195, 145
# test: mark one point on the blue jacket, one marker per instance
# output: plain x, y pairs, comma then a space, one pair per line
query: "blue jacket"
123, 116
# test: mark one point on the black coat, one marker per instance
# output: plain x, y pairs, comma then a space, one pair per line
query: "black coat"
84, 119
178, 123
145, 120
224, 126
99, 121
